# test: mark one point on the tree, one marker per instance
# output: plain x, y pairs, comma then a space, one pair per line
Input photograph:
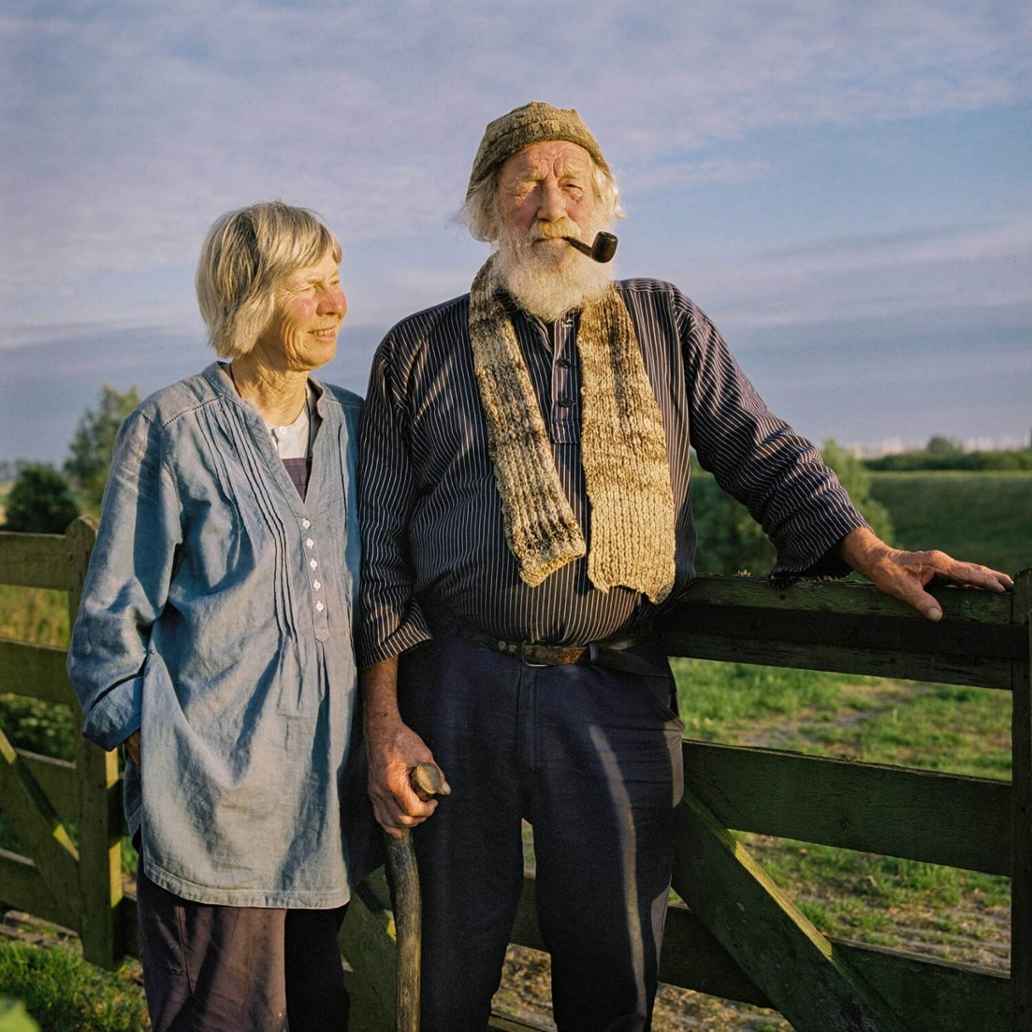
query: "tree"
731, 541
940, 444
94, 442
40, 502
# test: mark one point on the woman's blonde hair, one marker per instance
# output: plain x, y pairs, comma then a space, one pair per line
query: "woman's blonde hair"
245, 254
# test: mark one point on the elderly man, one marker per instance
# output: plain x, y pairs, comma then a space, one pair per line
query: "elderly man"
524, 496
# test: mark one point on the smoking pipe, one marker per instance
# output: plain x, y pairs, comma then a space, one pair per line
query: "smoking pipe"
602, 249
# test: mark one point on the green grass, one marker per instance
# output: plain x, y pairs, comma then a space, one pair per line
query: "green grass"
64, 993
980, 517
886, 901
715, 696
938, 727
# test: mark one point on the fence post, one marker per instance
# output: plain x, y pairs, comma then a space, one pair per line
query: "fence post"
100, 825
1021, 778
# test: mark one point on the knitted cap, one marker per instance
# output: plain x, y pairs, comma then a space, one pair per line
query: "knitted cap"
522, 126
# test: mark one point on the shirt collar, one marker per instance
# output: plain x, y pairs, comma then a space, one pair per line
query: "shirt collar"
217, 374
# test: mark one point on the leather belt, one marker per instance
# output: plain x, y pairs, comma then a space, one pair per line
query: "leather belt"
619, 653
529, 652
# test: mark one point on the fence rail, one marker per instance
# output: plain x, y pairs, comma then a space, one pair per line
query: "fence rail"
742, 938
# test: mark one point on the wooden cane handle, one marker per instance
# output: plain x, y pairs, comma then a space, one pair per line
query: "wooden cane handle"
428, 779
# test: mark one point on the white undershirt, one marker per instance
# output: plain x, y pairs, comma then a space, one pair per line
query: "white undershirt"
292, 441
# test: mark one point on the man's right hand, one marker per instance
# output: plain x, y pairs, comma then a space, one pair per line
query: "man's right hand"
394, 751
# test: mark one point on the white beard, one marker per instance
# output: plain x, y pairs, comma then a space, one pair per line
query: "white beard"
549, 280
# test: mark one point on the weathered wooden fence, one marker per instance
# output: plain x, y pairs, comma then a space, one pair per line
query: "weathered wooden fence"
742, 938
79, 887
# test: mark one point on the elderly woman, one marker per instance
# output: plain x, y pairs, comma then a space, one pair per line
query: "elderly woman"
215, 642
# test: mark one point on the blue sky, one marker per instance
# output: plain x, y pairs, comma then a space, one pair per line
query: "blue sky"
844, 188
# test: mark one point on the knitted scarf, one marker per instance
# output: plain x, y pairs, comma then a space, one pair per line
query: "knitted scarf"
623, 450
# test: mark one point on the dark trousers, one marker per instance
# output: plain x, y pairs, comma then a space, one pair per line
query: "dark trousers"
239, 969
592, 758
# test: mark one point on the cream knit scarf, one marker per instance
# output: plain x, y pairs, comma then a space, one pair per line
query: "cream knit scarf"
623, 450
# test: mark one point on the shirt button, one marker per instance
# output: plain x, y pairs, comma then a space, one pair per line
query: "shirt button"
309, 542
564, 363
319, 607
317, 585
565, 402
306, 524
314, 565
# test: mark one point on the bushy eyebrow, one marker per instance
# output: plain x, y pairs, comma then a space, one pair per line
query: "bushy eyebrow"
538, 171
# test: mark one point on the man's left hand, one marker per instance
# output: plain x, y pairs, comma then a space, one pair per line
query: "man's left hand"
905, 575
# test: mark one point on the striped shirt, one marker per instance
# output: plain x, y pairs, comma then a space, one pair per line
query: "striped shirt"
432, 525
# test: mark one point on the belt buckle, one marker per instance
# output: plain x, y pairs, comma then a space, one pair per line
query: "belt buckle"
523, 649
526, 662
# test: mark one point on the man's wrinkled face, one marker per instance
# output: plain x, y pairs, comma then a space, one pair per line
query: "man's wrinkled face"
546, 192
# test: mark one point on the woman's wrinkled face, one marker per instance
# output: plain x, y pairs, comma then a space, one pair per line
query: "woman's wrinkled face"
309, 308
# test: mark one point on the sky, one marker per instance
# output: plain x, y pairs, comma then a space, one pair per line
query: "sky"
843, 188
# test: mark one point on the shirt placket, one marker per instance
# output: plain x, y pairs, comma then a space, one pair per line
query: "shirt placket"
565, 393
315, 579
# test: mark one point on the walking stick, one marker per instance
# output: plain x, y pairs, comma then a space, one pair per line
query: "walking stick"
427, 780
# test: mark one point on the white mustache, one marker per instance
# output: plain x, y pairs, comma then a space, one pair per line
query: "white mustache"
555, 230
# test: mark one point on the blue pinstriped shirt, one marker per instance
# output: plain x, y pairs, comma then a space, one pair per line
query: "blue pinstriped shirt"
432, 528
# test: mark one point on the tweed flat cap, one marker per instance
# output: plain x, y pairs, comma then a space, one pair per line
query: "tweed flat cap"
522, 126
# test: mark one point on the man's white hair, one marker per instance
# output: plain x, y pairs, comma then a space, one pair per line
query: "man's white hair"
480, 212
245, 255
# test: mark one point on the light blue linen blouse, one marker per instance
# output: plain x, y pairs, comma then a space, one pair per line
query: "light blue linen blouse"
216, 618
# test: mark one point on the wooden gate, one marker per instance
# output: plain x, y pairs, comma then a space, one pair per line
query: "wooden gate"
78, 886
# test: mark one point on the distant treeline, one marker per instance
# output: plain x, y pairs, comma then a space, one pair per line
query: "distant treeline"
1015, 459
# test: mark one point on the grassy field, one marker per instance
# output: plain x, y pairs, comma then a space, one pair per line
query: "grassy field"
937, 911
982, 517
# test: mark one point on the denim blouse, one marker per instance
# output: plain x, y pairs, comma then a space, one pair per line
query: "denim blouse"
216, 618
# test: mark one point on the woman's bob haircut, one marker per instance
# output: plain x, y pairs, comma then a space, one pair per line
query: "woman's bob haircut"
245, 254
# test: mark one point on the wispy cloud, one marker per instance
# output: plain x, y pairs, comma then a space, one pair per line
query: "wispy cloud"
136, 124
696, 173
876, 276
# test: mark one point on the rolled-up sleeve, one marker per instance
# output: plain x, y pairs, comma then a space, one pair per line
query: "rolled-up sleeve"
126, 585
760, 460
392, 621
